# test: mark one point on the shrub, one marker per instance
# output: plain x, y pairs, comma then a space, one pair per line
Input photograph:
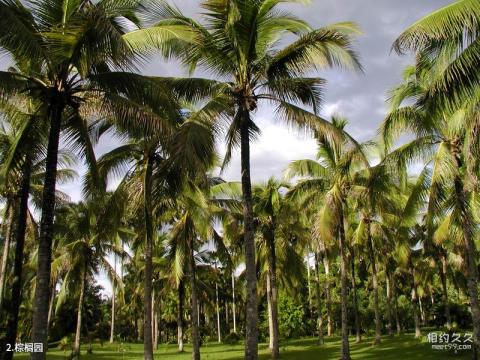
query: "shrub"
231, 339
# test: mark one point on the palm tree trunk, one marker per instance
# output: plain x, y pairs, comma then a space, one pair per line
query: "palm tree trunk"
181, 297
21, 228
52, 302
219, 330
234, 315
470, 255
416, 318
443, 279
395, 308
6, 250
358, 335
309, 283
345, 349
112, 324
319, 300
251, 326
194, 303
44, 254
78, 331
147, 314
389, 305
328, 297
272, 276
378, 324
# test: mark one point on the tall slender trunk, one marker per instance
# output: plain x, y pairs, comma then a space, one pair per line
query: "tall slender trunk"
233, 304
6, 249
44, 254
416, 318
319, 300
269, 312
51, 302
358, 334
78, 331
155, 330
181, 298
470, 255
389, 304
147, 314
395, 308
422, 311
345, 349
153, 319
251, 325
328, 297
378, 323
217, 303
20, 231
309, 284
272, 275
112, 323
194, 303
443, 279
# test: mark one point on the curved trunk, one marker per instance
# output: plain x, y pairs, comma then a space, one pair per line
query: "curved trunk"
181, 298
319, 300
443, 279
378, 324
272, 276
6, 250
44, 254
251, 325
328, 297
20, 231
194, 303
358, 335
147, 313
345, 349
78, 331
470, 255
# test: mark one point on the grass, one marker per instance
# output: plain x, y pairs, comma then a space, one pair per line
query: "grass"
397, 348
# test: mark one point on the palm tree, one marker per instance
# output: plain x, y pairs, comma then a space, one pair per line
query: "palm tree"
453, 28
373, 191
153, 165
86, 250
238, 42
22, 169
443, 139
73, 47
331, 178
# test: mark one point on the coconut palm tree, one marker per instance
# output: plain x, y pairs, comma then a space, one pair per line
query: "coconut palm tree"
455, 29
152, 166
444, 140
75, 48
238, 41
332, 177
86, 250
22, 169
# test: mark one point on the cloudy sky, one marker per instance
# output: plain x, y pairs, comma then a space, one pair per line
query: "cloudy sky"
360, 97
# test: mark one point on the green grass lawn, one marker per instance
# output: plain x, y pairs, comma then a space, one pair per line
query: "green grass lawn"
404, 347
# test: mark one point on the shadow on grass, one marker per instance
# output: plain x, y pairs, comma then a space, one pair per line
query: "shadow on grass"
403, 347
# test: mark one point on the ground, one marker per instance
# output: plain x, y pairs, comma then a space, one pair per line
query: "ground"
404, 347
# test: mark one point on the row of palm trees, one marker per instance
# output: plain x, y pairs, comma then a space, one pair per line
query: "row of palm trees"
74, 78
